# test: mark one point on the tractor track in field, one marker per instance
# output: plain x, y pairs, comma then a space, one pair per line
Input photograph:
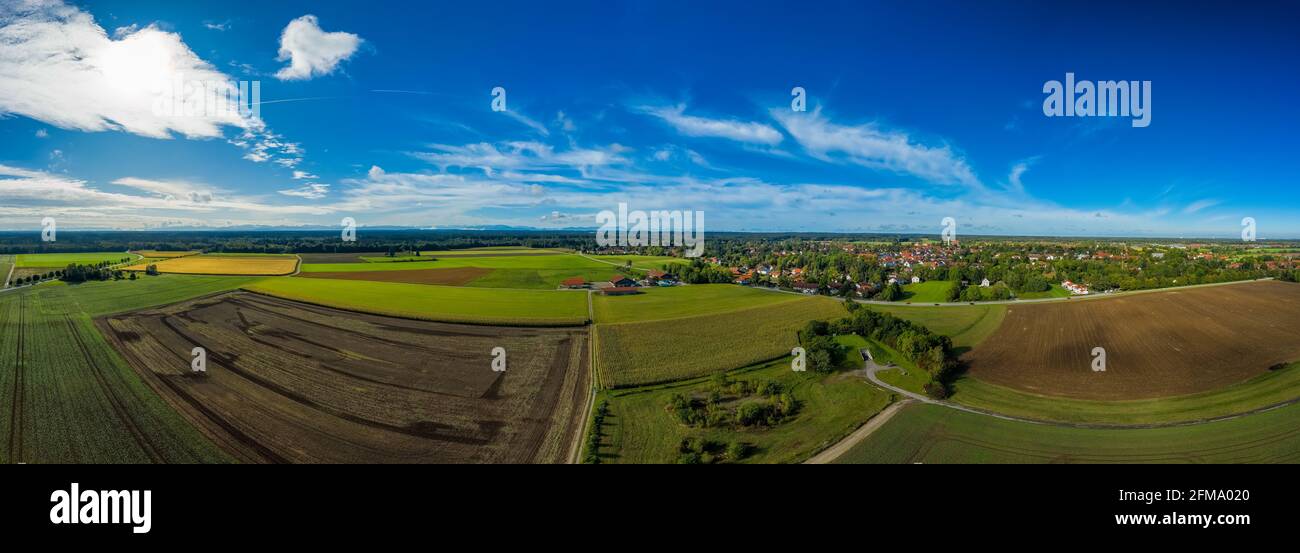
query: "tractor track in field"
119, 409
16, 409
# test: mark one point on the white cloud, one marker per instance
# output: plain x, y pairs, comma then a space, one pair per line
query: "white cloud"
42, 133
312, 52
303, 175
60, 67
740, 131
217, 26
870, 146
1200, 205
310, 191
174, 190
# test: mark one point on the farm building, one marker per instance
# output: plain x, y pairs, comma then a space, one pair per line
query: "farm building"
574, 283
806, 287
620, 281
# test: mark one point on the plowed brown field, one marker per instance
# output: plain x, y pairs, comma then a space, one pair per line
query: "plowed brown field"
289, 382
1157, 344
446, 277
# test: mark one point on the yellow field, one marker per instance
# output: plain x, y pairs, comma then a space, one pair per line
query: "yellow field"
156, 254
244, 266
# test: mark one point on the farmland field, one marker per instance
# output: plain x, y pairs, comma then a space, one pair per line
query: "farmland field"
643, 261
445, 277
631, 354
682, 301
61, 260
933, 434
434, 303
103, 413
290, 382
156, 254
1271, 388
495, 269
640, 430
1170, 343
6, 264
225, 265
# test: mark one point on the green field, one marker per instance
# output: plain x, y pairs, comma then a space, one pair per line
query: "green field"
935, 434
61, 260
632, 354
642, 261
565, 261
6, 263
967, 325
539, 279
80, 403
1268, 389
683, 301
934, 291
640, 430
1056, 292
434, 303
531, 272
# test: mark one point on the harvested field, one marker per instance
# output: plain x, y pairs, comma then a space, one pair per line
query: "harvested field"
447, 277
1158, 344
291, 382
224, 265
156, 254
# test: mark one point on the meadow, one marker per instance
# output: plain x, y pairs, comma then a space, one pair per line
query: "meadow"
1057, 291
682, 301
933, 434
641, 353
642, 261
934, 291
639, 429
434, 303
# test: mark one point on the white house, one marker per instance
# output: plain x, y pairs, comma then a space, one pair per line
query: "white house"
984, 283
916, 280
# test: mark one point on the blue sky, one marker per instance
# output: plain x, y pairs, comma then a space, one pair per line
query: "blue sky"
916, 111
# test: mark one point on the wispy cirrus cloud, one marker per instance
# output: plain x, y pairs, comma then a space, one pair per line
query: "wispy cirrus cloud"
691, 125
870, 145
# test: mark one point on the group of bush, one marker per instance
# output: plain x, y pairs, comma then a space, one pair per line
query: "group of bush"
735, 404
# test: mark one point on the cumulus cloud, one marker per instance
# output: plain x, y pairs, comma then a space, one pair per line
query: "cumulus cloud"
869, 145
60, 67
303, 175
312, 52
690, 125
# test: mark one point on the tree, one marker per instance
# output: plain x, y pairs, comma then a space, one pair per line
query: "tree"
954, 292
151, 270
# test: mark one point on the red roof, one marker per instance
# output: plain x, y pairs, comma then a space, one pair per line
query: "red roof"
575, 281
617, 278
656, 273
